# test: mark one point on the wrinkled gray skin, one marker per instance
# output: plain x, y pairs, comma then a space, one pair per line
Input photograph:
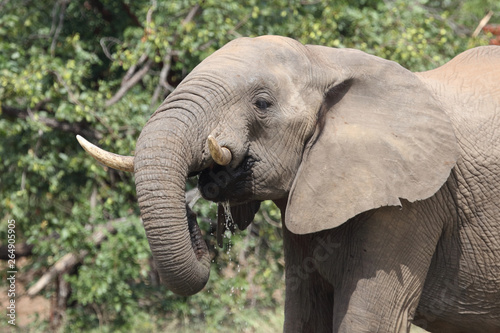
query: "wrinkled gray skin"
388, 181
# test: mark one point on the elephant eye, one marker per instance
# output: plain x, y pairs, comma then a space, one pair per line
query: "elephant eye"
262, 104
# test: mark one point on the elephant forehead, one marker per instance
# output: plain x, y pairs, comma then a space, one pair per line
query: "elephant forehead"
258, 53
241, 76
236, 78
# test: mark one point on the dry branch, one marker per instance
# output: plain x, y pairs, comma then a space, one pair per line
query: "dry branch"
62, 12
127, 85
130, 80
70, 260
131, 14
189, 17
106, 43
62, 265
484, 21
133, 68
163, 84
76, 128
270, 220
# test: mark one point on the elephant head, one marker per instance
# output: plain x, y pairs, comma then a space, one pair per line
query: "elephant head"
336, 131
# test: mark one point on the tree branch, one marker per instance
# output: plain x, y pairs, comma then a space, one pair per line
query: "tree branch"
62, 265
74, 99
69, 260
3, 3
62, 12
270, 220
163, 79
192, 196
106, 14
131, 14
106, 43
484, 21
167, 60
132, 68
75, 128
127, 85
130, 80
149, 15
189, 17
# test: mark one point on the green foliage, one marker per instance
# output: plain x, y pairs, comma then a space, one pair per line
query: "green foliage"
465, 15
242, 293
63, 69
105, 283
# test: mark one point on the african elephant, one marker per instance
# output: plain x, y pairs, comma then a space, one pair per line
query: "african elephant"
388, 180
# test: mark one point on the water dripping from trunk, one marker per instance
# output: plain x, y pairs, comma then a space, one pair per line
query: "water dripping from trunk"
225, 224
228, 225
227, 211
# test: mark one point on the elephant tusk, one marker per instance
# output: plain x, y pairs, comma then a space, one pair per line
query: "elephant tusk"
221, 155
115, 161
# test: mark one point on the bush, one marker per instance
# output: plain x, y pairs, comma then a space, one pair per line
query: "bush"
66, 69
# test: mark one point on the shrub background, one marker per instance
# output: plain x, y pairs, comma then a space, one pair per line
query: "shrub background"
99, 68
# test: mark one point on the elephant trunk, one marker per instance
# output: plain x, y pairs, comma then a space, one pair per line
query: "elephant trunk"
162, 163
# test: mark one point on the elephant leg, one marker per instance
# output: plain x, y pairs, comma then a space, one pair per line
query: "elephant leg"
384, 268
309, 297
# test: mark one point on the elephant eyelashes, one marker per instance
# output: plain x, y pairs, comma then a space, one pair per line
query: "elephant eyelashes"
262, 104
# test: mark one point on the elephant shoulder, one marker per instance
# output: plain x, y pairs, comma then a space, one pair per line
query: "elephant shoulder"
468, 69
470, 79
482, 56
467, 88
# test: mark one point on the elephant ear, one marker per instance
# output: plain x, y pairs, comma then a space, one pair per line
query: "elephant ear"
381, 137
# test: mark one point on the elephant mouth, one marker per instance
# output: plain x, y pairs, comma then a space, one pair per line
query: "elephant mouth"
222, 183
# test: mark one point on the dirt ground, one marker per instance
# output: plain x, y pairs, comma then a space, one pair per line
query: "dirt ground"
27, 309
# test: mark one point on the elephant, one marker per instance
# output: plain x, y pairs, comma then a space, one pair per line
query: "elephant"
387, 180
